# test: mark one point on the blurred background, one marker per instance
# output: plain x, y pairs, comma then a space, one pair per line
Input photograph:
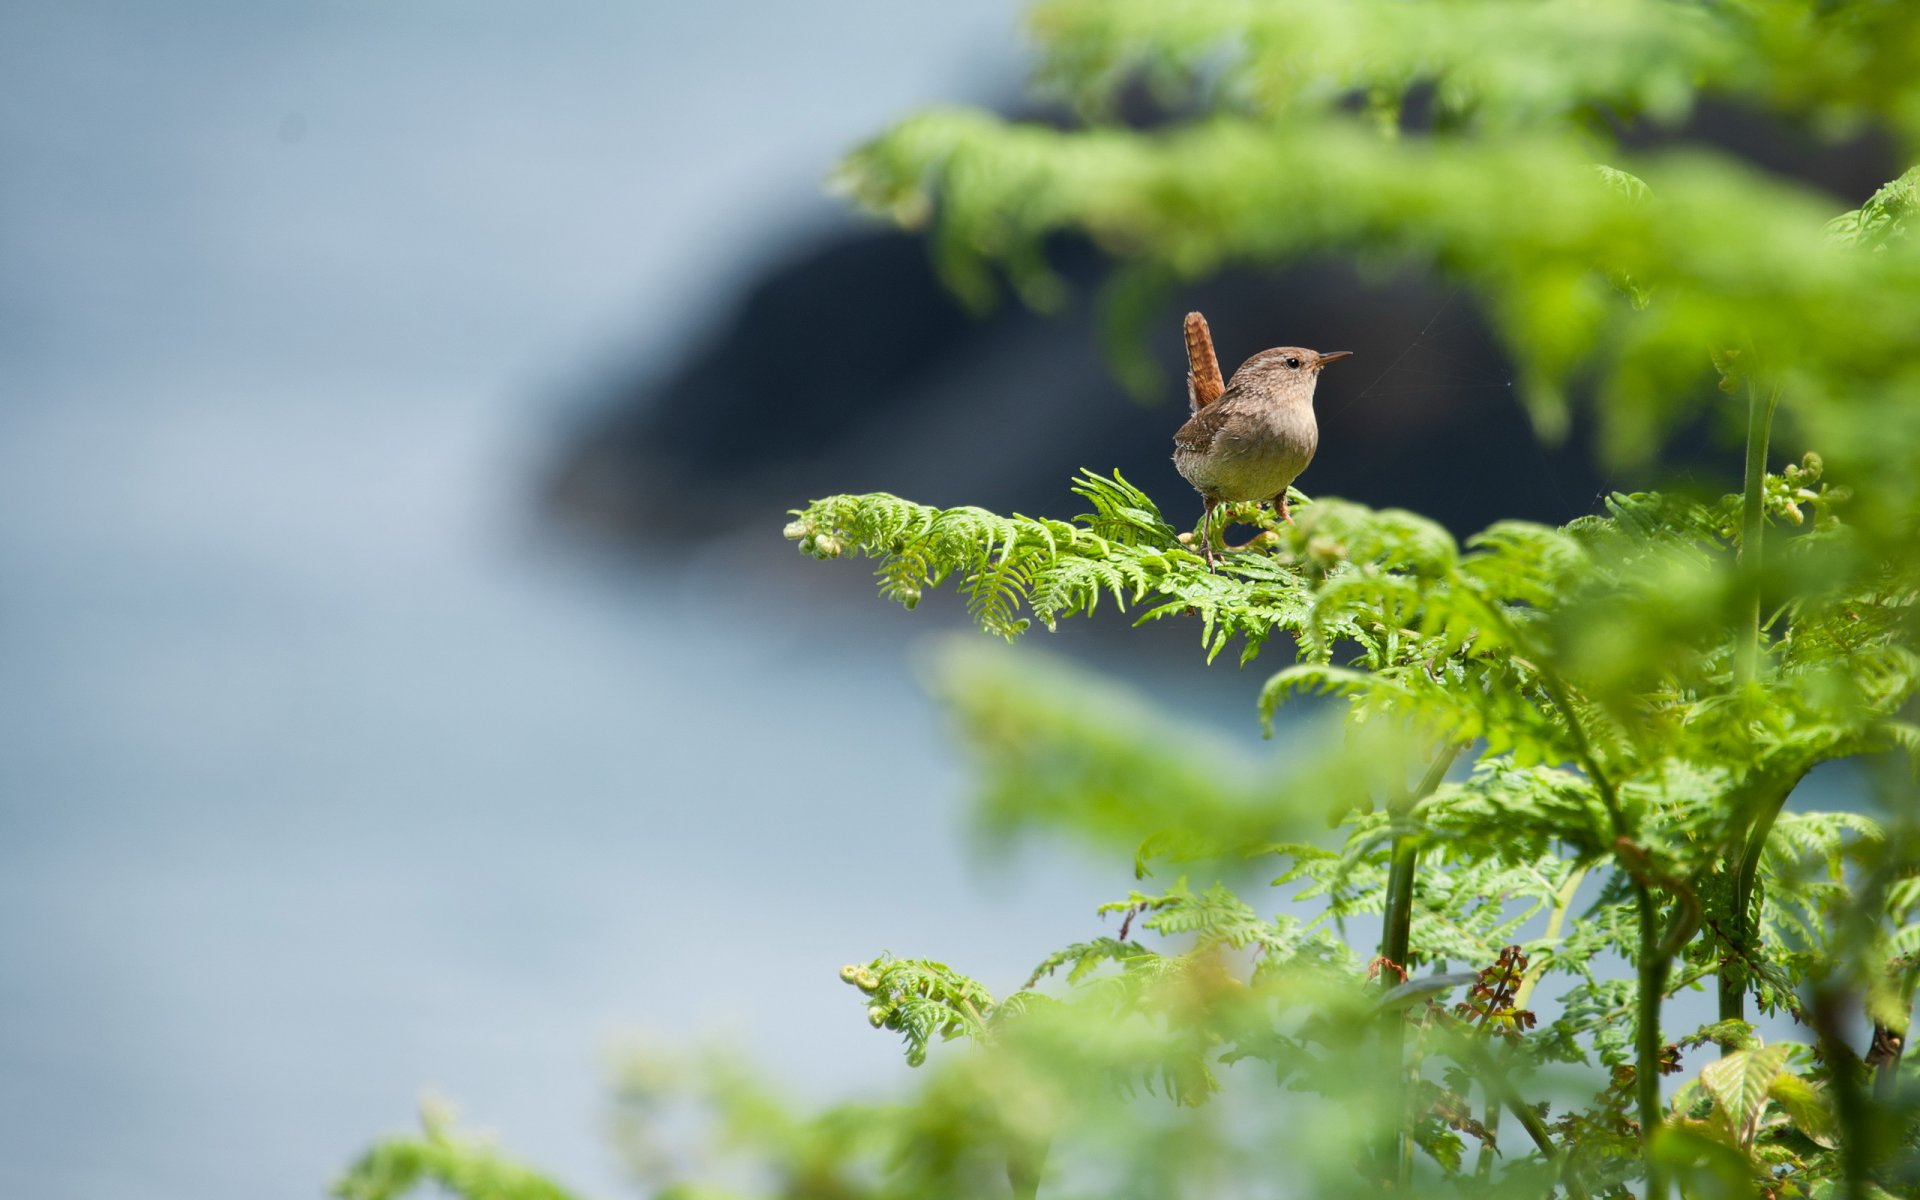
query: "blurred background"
405, 684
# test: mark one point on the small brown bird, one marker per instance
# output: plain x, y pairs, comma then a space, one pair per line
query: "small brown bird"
1251, 440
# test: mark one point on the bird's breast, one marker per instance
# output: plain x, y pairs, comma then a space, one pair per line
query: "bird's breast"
1254, 453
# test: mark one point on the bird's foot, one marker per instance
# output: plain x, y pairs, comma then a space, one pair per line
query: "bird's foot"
1206, 548
1264, 540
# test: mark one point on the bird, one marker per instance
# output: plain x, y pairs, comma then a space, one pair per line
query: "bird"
1250, 438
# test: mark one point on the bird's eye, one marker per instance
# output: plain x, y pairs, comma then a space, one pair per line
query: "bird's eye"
1293, 364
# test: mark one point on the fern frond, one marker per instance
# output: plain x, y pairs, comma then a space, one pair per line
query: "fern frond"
442, 1159
920, 1000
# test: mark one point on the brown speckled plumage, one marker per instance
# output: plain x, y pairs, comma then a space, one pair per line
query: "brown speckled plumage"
1256, 439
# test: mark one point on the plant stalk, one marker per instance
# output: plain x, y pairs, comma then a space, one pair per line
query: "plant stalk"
1850, 1101
1025, 1165
1395, 938
1556, 921
1537, 1130
1732, 982
1395, 942
1576, 729
1733, 985
1501, 1093
1653, 967
1654, 957
1753, 524
1483, 1161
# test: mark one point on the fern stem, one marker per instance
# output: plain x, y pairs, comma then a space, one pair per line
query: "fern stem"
1655, 948
1483, 1162
1583, 747
1556, 921
1562, 701
1653, 958
1396, 936
1395, 941
1537, 1130
1850, 1101
1653, 966
1501, 1092
1654, 963
1025, 1165
1733, 984
1753, 524
979, 1022
1395, 1144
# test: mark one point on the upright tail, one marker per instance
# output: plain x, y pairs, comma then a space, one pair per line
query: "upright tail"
1204, 384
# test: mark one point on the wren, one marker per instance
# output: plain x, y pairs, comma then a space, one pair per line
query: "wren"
1250, 438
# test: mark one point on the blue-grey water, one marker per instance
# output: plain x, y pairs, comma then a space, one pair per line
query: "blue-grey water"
325, 776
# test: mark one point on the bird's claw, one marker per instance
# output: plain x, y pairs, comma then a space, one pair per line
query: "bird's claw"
1206, 550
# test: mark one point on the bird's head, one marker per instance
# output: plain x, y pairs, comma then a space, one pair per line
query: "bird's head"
1286, 368
1296, 359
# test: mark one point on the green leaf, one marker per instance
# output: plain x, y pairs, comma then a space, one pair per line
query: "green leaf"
1708, 1168
1740, 1084
1806, 1106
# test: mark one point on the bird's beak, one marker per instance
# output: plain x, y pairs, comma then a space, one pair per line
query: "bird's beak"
1330, 356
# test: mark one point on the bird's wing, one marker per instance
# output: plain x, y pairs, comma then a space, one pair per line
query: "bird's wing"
1203, 366
1202, 428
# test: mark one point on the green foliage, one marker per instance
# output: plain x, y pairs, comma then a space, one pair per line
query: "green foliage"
1485, 58
920, 1000
443, 1159
1883, 218
1501, 192
1123, 551
1059, 753
1558, 762
1595, 671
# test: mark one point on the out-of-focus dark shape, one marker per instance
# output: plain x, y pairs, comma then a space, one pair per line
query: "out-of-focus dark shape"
851, 368
848, 366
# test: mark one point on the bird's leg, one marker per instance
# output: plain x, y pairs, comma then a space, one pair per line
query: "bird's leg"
1205, 533
1280, 506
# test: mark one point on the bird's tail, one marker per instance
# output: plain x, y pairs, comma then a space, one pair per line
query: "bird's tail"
1204, 384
